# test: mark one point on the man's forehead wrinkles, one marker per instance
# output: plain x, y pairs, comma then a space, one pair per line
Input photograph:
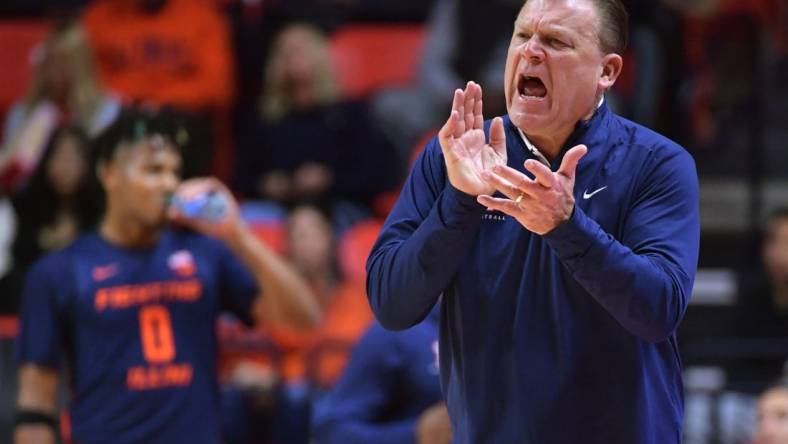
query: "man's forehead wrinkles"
550, 19
564, 23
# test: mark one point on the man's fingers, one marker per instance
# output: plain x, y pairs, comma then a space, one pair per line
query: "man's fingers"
457, 105
570, 161
498, 137
446, 134
511, 183
469, 106
512, 176
478, 122
541, 173
506, 206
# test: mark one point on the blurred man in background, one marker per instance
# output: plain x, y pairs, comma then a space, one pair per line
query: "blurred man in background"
390, 393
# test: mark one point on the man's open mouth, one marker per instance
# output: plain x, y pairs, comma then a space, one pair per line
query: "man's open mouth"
531, 87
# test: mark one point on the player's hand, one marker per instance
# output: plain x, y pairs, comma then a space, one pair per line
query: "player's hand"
540, 204
434, 426
462, 141
222, 228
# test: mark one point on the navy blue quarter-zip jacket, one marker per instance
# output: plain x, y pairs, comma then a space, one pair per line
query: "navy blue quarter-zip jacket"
563, 338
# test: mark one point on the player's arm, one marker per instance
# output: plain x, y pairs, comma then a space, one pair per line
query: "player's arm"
35, 421
286, 297
38, 350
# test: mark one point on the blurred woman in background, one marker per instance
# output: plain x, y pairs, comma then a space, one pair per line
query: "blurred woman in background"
55, 205
306, 363
63, 91
307, 142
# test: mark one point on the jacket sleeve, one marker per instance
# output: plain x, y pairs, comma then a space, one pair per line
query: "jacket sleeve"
421, 244
350, 413
649, 272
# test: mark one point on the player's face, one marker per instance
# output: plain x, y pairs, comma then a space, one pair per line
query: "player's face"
773, 418
147, 173
554, 67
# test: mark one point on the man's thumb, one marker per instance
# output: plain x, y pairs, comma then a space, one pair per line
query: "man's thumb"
571, 159
498, 137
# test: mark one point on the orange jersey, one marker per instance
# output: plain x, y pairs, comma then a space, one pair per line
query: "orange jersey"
180, 55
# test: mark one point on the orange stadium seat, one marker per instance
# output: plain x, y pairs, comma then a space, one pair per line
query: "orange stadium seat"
271, 233
370, 57
17, 40
354, 247
9, 327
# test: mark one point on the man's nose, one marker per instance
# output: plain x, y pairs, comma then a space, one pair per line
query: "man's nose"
532, 50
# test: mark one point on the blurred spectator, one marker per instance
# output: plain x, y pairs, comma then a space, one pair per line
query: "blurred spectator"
174, 52
171, 52
310, 361
52, 209
725, 43
390, 392
467, 40
655, 32
64, 90
320, 355
762, 311
308, 143
773, 416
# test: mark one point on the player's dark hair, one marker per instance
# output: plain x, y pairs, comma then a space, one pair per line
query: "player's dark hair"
613, 27
137, 122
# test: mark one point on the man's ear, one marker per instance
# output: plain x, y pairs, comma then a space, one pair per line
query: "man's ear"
611, 69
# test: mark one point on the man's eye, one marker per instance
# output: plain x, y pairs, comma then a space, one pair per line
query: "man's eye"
523, 36
555, 43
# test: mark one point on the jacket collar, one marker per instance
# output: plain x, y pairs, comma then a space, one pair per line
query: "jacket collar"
585, 132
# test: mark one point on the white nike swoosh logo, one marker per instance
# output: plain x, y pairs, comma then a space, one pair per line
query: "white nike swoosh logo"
587, 195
